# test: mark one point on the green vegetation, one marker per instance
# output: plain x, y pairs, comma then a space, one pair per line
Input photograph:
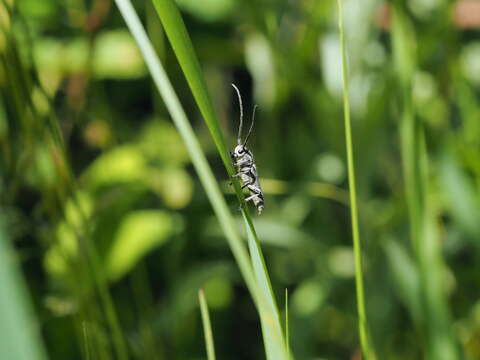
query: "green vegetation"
117, 203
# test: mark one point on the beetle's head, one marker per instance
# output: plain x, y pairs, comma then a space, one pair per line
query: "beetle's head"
240, 150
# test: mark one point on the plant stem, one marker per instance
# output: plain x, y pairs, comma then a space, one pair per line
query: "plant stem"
367, 349
207, 326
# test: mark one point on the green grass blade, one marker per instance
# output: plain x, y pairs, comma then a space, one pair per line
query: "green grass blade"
207, 326
287, 335
367, 348
183, 48
263, 298
20, 337
269, 315
182, 45
199, 160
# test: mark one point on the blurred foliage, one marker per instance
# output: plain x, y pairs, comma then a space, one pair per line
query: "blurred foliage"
97, 190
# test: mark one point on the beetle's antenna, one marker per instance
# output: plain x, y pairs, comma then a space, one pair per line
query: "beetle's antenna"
251, 126
239, 136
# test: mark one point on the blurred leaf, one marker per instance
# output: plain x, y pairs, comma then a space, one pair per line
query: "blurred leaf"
341, 261
273, 232
308, 297
260, 61
42, 9
330, 168
404, 46
43, 173
48, 54
57, 57
122, 164
75, 56
424, 235
461, 197
20, 339
64, 248
406, 278
182, 297
159, 140
331, 64
470, 62
174, 185
219, 292
117, 56
139, 233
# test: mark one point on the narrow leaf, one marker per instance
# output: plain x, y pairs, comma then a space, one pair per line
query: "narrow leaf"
269, 315
365, 343
199, 160
287, 335
207, 326
183, 48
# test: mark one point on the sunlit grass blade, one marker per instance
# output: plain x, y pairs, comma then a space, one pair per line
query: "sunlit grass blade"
367, 348
20, 337
207, 326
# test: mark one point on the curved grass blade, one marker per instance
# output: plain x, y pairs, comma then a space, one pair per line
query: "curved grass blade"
261, 298
270, 319
207, 326
367, 348
183, 48
199, 160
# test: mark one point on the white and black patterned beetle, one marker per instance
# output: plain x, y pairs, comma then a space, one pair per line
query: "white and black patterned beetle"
244, 164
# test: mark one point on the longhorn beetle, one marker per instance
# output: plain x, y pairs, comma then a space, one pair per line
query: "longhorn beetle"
244, 164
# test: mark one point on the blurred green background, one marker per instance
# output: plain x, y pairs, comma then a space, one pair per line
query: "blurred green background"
125, 208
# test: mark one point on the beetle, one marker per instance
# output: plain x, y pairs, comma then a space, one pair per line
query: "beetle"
244, 163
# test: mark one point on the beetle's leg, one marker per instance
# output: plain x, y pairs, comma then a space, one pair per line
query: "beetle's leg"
243, 161
251, 197
250, 182
242, 171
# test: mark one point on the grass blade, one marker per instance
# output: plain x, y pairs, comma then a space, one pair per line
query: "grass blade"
183, 48
269, 315
20, 336
263, 297
199, 160
367, 348
207, 326
287, 335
